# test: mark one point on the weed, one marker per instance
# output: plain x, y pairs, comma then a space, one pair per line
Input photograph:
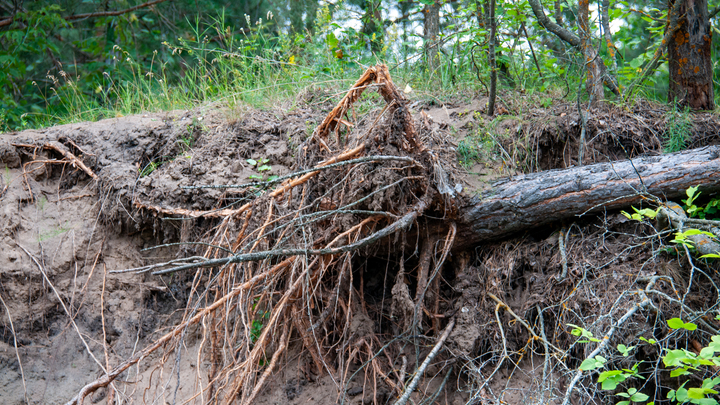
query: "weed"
41, 202
149, 168
262, 168
677, 132
55, 231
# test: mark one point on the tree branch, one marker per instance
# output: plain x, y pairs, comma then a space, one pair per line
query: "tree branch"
8, 21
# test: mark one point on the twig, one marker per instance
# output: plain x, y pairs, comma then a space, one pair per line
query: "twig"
62, 303
402, 223
111, 375
563, 254
603, 344
421, 370
75, 17
68, 155
522, 322
285, 186
17, 352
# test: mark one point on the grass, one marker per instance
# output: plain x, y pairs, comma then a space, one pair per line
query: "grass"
677, 131
264, 71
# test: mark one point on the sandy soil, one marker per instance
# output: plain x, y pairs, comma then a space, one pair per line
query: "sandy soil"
66, 317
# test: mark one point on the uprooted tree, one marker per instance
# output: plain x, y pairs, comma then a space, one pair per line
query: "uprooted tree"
287, 260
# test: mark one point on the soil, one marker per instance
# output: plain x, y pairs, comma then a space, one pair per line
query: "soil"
66, 316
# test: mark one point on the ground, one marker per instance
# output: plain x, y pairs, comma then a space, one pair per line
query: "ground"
73, 306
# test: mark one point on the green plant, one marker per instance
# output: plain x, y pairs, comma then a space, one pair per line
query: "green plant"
680, 362
262, 168
678, 130
694, 211
149, 168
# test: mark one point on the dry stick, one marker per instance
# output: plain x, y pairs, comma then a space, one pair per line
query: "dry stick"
603, 344
402, 223
421, 370
62, 303
17, 352
547, 353
377, 158
280, 350
563, 254
260, 344
504, 352
110, 376
111, 394
522, 322
60, 149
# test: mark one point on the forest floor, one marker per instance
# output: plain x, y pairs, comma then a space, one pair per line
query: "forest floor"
68, 315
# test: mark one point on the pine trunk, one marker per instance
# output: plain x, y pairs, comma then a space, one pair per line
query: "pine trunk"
689, 55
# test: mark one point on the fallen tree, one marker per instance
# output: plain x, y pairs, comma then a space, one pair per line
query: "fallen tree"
537, 199
282, 262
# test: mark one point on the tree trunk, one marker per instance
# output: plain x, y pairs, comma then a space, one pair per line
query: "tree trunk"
373, 25
594, 80
537, 199
431, 29
691, 74
491, 58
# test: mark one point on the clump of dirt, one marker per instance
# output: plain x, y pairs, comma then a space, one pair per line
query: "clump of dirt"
335, 282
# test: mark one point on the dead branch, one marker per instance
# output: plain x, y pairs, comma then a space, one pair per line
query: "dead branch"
421, 370
68, 155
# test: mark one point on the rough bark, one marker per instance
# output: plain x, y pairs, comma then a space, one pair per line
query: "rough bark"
491, 58
594, 75
573, 40
431, 29
528, 201
689, 57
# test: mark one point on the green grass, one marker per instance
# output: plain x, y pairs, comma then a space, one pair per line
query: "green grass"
677, 131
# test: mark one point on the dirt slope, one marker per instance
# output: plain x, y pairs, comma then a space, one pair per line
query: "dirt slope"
63, 232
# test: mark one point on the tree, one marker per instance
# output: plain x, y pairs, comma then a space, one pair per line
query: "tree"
431, 29
689, 57
372, 24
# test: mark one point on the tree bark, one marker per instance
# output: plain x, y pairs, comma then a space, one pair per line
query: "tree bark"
529, 201
431, 29
574, 40
491, 58
594, 75
689, 57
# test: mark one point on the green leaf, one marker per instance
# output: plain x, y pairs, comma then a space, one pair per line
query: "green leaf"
650, 341
639, 397
675, 323
700, 393
264, 168
624, 350
592, 363
252, 162
679, 372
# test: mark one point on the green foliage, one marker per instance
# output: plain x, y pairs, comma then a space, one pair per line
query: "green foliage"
640, 215
709, 211
680, 362
262, 168
678, 130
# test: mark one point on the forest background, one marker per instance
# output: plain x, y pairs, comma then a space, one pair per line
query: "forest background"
70, 61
